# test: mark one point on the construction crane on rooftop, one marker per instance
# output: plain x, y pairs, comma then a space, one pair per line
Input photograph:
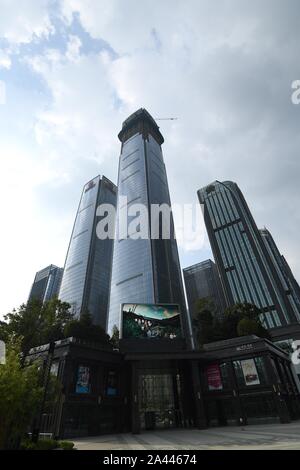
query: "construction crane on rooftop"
167, 119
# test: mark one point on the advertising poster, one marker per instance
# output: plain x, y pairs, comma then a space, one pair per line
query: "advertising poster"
151, 321
83, 380
214, 379
112, 384
250, 372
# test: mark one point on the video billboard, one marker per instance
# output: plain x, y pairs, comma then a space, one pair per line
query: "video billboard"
152, 321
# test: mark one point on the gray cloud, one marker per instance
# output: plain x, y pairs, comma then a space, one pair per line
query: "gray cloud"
223, 68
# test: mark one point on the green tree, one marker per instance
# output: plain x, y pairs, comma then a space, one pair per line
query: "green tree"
20, 395
37, 323
204, 321
4, 334
249, 326
85, 329
115, 337
241, 319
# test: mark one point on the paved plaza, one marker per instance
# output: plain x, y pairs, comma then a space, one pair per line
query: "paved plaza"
271, 436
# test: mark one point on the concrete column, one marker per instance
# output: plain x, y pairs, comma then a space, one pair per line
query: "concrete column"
241, 418
135, 418
200, 418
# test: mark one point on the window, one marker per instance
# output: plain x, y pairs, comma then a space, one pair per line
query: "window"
225, 375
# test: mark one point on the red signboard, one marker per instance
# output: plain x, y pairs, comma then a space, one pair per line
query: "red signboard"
214, 379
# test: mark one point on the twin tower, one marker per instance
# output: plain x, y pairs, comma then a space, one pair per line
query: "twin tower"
100, 275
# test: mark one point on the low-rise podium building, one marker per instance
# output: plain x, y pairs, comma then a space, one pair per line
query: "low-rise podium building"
240, 381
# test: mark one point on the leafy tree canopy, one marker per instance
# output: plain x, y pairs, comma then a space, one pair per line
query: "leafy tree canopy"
36, 323
115, 337
239, 320
85, 329
20, 395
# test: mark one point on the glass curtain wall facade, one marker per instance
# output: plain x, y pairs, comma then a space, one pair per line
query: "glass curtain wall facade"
202, 281
46, 283
144, 270
246, 269
87, 272
289, 284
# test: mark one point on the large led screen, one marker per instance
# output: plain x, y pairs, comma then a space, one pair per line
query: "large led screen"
151, 321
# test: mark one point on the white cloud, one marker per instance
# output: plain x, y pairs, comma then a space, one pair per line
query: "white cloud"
5, 60
21, 20
225, 72
81, 120
73, 48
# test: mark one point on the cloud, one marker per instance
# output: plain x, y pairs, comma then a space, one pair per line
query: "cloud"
5, 61
224, 71
226, 74
81, 119
23, 20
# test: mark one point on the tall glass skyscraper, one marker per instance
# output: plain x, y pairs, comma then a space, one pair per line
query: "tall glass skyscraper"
245, 261
87, 272
144, 270
289, 284
202, 281
46, 283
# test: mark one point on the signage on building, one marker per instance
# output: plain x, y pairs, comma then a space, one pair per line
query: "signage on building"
150, 321
214, 379
244, 347
250, 372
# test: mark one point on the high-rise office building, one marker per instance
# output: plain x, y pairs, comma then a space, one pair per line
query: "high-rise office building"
289, 284
46, 283
202, 281
145, 270
87, 272
246, 267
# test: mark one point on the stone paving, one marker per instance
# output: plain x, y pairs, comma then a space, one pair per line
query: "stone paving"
270, 436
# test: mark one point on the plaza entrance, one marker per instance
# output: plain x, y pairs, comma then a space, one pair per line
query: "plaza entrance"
159, 401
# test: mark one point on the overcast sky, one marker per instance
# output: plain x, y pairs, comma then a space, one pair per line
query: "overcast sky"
75, 69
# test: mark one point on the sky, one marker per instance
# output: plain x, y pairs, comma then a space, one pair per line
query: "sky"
73, 70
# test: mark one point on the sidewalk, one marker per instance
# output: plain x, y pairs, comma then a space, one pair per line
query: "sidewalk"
271, 436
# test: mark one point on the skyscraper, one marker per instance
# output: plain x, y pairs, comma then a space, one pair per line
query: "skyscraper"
247, 270
86, 279
288, 283
202, 281
144, 270
46, 283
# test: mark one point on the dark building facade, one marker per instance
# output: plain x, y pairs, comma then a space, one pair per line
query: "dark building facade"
145, 270
46, 283
241, 381
202, 281
87, 272
247, 269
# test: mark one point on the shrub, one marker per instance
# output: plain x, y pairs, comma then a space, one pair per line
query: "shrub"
28, 445
66, 445
46, 444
